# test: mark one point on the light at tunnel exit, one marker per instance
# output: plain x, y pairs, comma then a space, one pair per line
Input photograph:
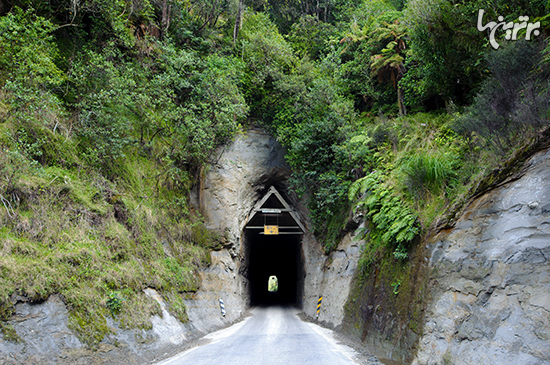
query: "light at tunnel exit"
273, 284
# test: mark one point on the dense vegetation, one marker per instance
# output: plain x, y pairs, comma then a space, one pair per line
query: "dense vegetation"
110, 110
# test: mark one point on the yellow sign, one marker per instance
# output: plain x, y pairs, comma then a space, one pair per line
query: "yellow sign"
271, 229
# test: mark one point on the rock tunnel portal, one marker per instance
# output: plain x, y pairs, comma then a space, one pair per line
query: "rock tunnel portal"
273, 247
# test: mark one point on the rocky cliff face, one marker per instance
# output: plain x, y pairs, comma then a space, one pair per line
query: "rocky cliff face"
226, 196
330, 276
489, 279
231, 187
43, 337
234, 183
490, 301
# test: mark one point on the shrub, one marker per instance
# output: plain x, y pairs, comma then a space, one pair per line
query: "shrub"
114, 303
27, 50
513, 100
394, 225
428, 173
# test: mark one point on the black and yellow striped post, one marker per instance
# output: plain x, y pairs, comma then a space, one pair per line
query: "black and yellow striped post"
319, 304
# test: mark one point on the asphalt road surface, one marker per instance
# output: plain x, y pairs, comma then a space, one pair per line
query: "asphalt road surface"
271, 336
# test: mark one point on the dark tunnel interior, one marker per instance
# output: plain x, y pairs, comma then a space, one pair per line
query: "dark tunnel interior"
278, 255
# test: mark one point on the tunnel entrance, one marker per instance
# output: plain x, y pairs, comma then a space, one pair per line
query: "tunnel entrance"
275, 256
273, 243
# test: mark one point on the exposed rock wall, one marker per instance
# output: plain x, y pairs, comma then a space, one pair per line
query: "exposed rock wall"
245, 169
227, 193
231, 186
41, 328
225, 198
330, 276
44, 338
491, 278
219, 281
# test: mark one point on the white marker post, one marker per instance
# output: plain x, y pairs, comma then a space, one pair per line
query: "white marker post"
222, 307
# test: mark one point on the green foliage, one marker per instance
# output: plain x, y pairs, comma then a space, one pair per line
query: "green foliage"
309, 36
177, 306
28, 75
216, 107
139, 94
97, 244
273, 284
129, 105
367, 50
263, 48
114, 303
428, 173
395, 285
90, 326
108, 100
38, 133
513, 100
9, 333
27, 51
320, 165
393, 223
365, 14
267, 57
389, 63
445, 50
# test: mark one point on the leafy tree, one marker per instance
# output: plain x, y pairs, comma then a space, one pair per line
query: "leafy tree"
321, 169
29, 78
447, 59
108, 102
207, 11
268, 57
446, 50
309, 36
363, 13
27, 50
363, 44
389, 63
213, 113
513, 100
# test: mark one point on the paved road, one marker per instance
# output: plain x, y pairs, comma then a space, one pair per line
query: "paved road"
271, 336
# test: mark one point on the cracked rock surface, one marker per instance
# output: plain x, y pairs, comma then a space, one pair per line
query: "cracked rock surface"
491, 278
